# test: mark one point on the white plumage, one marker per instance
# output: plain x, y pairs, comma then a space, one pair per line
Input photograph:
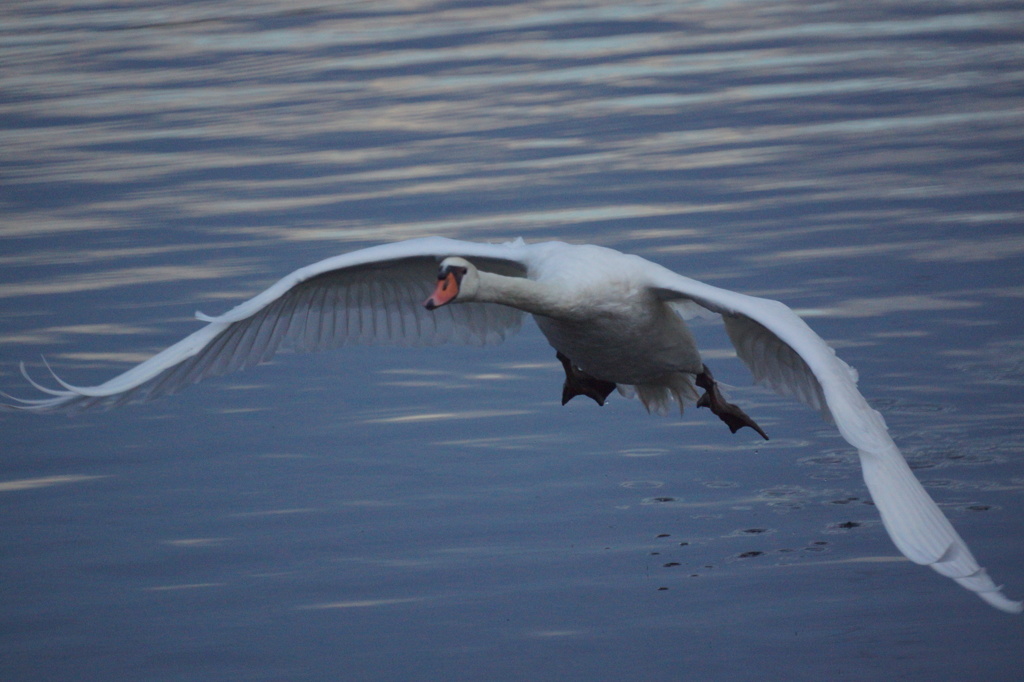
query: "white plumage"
617, 317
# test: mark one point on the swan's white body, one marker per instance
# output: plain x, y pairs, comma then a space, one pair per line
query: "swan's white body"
618, 317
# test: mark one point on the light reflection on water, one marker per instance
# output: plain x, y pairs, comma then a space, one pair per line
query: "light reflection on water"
860, 162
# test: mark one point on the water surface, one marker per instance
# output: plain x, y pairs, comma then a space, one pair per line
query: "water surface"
424, 514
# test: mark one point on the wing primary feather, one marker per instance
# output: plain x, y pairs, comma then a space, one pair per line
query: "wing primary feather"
306, 316
265, 337
328, 312
315, 320
381, 315
36, 385
221, 359
364, 311
298, 313
397, 319
383, 310
341, 317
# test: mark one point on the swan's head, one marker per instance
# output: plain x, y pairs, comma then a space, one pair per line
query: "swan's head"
457, 278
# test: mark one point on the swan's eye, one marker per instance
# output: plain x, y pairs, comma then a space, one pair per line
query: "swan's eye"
457, 271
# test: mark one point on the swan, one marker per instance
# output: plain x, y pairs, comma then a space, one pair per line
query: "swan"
616, 321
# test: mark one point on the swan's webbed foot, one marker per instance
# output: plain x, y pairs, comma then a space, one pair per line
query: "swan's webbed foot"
578, 382
734, 417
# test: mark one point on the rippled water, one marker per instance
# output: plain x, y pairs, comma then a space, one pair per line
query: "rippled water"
405, 514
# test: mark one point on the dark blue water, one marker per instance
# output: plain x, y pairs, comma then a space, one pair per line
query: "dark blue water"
382, 514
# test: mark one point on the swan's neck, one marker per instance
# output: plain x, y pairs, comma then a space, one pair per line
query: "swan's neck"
519, 292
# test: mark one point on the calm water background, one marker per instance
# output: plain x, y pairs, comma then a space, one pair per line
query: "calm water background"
384, 514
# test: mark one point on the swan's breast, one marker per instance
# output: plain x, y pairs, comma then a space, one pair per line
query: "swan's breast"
632, 340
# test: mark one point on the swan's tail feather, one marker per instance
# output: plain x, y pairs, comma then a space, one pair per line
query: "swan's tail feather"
659, 398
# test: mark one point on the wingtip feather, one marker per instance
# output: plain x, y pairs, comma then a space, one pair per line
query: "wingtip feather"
36, 385
997, 599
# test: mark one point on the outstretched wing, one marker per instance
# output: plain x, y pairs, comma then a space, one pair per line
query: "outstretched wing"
788, 356
372, 296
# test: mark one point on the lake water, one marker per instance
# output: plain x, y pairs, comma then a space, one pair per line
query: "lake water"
435, 514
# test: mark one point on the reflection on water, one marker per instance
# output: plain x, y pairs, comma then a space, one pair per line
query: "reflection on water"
860, 161
30, 483
233, 115
444, 416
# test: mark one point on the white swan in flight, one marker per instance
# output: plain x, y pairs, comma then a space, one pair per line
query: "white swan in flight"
615, 320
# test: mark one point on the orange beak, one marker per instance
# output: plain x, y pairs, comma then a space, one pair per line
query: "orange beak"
446, 291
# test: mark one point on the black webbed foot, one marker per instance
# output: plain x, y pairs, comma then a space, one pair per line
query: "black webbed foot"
734, 417
578, 382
